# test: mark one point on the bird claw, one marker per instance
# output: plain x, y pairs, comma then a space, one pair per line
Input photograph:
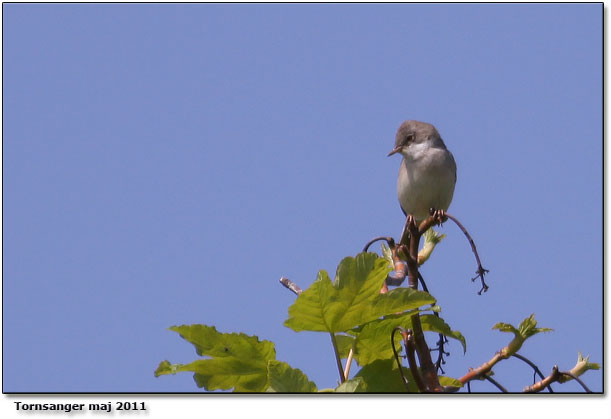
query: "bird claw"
438, 215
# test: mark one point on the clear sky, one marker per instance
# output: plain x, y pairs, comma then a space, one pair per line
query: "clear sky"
167, 164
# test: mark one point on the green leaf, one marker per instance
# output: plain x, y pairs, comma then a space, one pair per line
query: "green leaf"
432, 323
164, 368
528, 327
208, 341
450, 382
398, 300
506, 327
354, 385
343, 304
382, 376
353, 299
237, 360
283, 378
373, 342
222, 373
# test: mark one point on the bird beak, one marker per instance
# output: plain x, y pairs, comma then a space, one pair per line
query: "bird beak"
394, 151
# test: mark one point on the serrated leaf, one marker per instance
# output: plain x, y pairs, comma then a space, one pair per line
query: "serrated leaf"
382, 376
527, 328
373, 342
354, 385
164, 368
282, 378
343, 304
237, 360
431, 323
208, 341
398, 300
506, 327
222, 373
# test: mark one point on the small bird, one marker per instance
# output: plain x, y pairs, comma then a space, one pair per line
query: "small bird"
427, 174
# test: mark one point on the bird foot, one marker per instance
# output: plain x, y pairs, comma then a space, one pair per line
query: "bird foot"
438, 215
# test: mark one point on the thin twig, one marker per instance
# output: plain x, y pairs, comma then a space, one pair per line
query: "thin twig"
394, 351
480, 269
442, 338
496, 383
342, 378
389, 240
574, 377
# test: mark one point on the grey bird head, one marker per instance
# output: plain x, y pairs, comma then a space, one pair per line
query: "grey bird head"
415, 132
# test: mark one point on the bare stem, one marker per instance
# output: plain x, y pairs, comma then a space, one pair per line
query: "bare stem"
394, 351
480, 272
410, 350
342, 378
348, 363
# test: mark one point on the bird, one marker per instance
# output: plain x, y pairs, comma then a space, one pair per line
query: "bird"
427, 174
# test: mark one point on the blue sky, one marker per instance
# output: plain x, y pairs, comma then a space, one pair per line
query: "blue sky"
167, 164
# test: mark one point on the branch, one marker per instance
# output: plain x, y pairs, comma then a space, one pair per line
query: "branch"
540, 385
555, 376
496, 383
389, 240
410, 350
394, 351
480, 272
534, 367
413, 233
482, 370
342, 377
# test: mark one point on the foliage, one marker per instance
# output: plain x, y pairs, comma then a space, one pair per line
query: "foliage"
360, 320
527, 328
